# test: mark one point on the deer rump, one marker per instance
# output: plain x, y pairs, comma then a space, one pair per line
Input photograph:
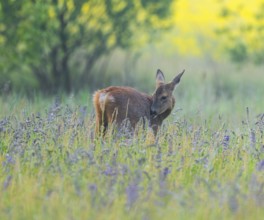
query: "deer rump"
123, 106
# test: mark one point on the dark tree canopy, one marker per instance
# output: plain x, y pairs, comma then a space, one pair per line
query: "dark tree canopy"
56, 43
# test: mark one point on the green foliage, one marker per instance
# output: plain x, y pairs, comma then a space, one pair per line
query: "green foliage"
243, 33
57, 42
238, 53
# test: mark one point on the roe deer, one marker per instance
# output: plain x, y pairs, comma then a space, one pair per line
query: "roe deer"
116, 104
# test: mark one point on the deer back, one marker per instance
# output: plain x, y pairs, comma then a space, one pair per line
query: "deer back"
115, 104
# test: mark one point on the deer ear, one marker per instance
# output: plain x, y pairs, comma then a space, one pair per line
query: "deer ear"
177, 79
160, 79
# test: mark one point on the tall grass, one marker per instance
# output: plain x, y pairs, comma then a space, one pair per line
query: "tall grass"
207, 161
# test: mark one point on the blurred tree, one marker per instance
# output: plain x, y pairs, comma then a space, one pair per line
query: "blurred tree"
58, 41
243, 32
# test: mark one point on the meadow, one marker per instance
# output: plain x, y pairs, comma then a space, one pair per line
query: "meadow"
206, 163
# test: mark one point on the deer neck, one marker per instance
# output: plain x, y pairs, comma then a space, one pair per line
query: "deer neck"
157, 120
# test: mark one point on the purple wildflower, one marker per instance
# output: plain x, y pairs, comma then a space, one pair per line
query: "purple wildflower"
132, 194
7, 182
225, 141
165, 172
93, 187
3, 123
109, 171
83, 111
9, 160
260, 166
93, 190
233, 203
252, 139
124, 169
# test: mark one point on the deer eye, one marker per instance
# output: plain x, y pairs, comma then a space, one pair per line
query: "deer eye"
163, 98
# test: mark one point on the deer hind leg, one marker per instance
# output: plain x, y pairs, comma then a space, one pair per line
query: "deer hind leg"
101, 125
111, 117
101, 119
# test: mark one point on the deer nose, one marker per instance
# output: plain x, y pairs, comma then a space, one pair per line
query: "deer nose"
152, 111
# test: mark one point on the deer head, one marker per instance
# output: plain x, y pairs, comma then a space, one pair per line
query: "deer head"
163, 99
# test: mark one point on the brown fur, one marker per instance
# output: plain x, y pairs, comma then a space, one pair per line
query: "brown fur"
117, 103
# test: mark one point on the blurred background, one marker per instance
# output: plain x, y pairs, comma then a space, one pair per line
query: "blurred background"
67, 46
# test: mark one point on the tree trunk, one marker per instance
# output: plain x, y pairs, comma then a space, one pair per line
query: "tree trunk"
64, 71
